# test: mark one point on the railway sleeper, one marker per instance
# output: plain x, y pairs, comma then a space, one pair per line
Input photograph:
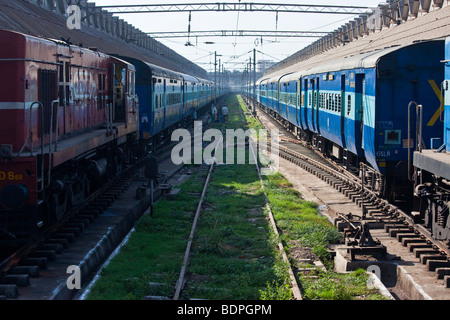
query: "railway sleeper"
424, 258
80, 221
74, 231
56, 247
20, 280
63, 242
407, 235
10, 291
414, 239
355, 197
87, 216
49, 254
422, 251
447, 281
433, 264
39, 262
91, 212
389, 226
394, 231
65, 235
32, 271
441, 272
412, 246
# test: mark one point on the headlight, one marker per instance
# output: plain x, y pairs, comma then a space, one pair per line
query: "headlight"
14, 196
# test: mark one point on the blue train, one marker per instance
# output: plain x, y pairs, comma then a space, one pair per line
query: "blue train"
356, 109
167, 100
432, 169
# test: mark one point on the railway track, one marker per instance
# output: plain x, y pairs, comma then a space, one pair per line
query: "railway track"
19, 268
24, 266
397, 223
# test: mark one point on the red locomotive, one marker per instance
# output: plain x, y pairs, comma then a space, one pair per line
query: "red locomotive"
68, 119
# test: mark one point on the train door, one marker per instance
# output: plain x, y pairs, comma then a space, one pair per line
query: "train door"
47, 86
119, 87
64, 96
297, 103
311, 104
164, 104
157, 105
305, 103
343, 110
316, 106
360, 85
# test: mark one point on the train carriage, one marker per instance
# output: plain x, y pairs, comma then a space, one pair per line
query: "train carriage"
432, 167
68, 119
160, 93
189, 102
263, 92
356, 108
288, 98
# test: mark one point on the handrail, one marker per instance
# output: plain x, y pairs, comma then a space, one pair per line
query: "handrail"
50, 139
419, 113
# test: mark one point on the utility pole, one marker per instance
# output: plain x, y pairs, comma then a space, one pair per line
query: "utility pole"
220, 75
249, 77
215, 77
254, 81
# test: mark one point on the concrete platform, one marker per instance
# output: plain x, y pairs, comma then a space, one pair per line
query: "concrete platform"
402, 272
432, 161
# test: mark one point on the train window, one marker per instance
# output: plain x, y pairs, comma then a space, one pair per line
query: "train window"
100, 97
47, 93
132, 83
67, 71
349, 104
100, 81
340, 103
156, 101
61, 72
309, 99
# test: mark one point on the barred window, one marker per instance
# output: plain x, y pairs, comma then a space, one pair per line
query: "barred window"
349, 104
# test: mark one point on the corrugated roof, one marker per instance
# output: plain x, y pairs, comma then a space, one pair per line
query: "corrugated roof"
434, 25
30, 19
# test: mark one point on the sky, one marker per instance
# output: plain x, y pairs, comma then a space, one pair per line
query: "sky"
234, 52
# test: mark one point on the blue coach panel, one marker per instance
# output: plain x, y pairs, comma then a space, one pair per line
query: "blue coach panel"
272, 98
290, 98
263, 92
160, 97
144, 90
373, 91
438, 163
283, 96
411, 73
310, 99
188, 95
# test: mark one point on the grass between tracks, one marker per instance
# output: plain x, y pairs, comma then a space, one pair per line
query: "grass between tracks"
234, 254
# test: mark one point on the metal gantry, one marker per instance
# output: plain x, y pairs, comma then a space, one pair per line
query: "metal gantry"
234, 33
244, 6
